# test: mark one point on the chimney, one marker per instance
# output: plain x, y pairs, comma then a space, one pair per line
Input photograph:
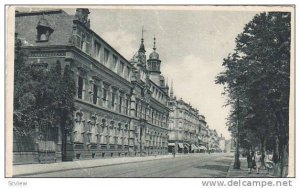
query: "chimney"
82, 16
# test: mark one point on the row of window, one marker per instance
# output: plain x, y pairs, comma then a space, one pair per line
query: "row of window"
157, 94
109, 135
83, 41
92, 137
94, 132
191, 119
119, 102
107, 97
152, 115
111, 61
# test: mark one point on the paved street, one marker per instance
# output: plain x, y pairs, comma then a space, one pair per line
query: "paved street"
195, 165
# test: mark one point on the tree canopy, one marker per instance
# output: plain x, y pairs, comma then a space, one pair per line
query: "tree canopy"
43, 95
256, 80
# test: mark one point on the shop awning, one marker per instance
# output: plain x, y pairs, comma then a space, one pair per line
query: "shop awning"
171, 144
180, 145
193, 147
202, 147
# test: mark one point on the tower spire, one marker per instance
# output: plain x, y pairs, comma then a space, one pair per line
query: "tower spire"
154, 42
142, 47
167, 81
171, 90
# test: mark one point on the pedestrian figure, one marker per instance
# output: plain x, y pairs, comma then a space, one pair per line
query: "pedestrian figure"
173, 152
269, 164
258, 161
250, 161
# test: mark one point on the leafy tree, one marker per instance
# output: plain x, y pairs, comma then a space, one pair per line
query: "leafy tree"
24, 116
43, 98
257, 75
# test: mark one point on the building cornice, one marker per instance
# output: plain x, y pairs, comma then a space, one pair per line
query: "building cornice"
102, 108
84, 56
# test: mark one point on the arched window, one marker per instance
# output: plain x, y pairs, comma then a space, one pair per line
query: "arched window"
43, 37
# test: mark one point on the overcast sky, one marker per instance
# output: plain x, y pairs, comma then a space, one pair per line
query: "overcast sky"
191, 44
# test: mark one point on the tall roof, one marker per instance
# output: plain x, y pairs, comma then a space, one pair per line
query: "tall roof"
43, 22
142, 47
58, 20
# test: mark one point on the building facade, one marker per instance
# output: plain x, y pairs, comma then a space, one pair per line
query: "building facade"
229, 146
184, 126
213, 143
222, 143
204, 134
121, 105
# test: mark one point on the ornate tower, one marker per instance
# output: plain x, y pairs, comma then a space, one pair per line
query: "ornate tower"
154, 61
153, 65
139, 62
142, 52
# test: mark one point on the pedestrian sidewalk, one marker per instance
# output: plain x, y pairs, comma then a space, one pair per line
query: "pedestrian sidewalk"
31, 169
243, 171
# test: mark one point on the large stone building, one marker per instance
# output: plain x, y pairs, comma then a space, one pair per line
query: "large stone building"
185, 125
121, 105
204, 134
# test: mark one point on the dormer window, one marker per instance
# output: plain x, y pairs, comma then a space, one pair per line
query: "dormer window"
43, 30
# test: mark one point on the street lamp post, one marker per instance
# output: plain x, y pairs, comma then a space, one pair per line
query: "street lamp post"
237, 162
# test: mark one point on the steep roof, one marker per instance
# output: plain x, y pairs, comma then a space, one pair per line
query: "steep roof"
58, 20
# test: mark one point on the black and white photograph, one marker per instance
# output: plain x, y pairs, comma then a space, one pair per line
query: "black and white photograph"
150, 91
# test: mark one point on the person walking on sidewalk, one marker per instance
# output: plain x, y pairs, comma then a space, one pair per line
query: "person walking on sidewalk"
258, 161
250, 161
173, 152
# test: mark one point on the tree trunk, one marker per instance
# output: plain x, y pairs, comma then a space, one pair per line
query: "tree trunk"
282, 139
63, 137
276, 150
63, 143
263, 151
284, 161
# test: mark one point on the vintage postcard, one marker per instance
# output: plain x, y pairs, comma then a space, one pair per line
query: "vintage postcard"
150, 91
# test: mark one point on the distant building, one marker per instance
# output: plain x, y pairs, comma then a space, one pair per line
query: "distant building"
184, 126
121, 105
213, 144
229, 146
203, 137
222, 143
